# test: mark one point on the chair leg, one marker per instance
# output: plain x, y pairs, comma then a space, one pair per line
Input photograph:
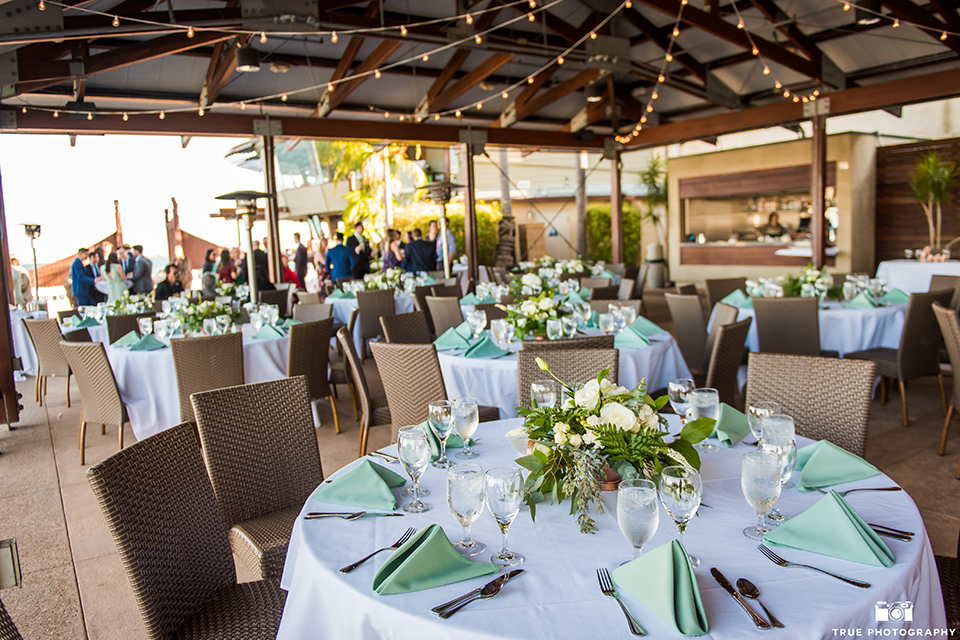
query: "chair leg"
120, 437
44, 386
333, 390
83, 435
884, 387
103, 429
40, 380
36, 389
364, 431
68, 391
353, 397
903, 402
943, 393
336, 418
946, 430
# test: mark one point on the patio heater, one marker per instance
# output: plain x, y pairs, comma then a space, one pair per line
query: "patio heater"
33, 232
440, 193
247, 206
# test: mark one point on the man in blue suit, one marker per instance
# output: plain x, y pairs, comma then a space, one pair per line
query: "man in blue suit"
82, 281
340, 260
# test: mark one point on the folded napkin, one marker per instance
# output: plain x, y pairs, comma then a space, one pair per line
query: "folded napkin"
737, 298
454, 441
148, 342
863, 301
594, 321
732, 425
464, 329
425, 561
832, 527
488, 300
86, 322
289, 322
606, 273
450, 339
368, 486
663, 580
470, 299
645, 327
484, 348
895, 296
429, 280
75, 320
267, 332
574, 297
630, 338
338, 295
824, 464
128, 340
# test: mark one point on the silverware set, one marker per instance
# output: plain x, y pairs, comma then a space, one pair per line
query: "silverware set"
723, 582
317, 515
609, 590
396, 545
488, 590
890, 532
774, 558
849, 491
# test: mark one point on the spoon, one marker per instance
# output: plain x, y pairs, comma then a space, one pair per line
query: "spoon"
749, 590
488, 591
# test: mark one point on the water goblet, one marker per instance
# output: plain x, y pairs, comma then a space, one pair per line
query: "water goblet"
606, 322
637, 512
544, 393
210, 326
162, 329
760, 483
863, 281
619, 320
146, 326
466, 419
256, 322
504, 489
413, 449
223, 323
569, 325
465, 489
102, 311
273, 312
757, 411
705, 403
681, 490
477, 321
511, 331
808, 290
785, 448
849, 290
876, 287
679, 393
498, 331
554, 329
166, 306
583, 311
440, 418
629, 314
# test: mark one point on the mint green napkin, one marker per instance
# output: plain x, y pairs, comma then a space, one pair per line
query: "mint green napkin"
367, 485
484, 348
574, 297
663, 581
630, 338
148, 342
450, 339
488, 300
863, 301
470, 299
75, 320
429, 280
606, 273
824, 464
339, 295
86, 322
895, 296
833, 528
737, 298
645, 327
732, 425
594, 321
128, 340
425, 561
454, 441
464, 329
289, 322
267, 332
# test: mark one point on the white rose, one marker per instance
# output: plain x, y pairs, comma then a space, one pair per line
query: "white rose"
561, 427
574, 440
531, 280
546, 304
593, 421
589, 437
619, 416
568, 403
559, 437
588, 396
528, 308
608, 388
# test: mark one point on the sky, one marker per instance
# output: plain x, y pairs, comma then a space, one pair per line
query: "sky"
70, 191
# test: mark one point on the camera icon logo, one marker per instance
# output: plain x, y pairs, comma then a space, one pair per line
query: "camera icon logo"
893, 612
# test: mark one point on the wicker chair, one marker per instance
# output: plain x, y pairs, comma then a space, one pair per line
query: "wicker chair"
308, 297
436, 274
445, 291
406, 328
948, 568
446, 313
829, 398
119, 326
593, 283
579, 342
789, 325
45, 336
411, 380
686, 290
420, 303
374, 410
690, 328
720, 288
205, 363
313, 311
950, 328
722, 314
98, 389
67, 313
625, 290
604, 293
444, 282
493, 312
308, 354
919, 352
725, 360
615, 267
261, 452
278, 297
77, 335
573, 365
939, 281
162, 512
8, 630
372, 306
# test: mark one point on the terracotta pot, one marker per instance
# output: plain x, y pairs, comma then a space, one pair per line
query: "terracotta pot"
612, 481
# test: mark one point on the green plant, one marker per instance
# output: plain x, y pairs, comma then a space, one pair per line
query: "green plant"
420, 214
933, 182
654, 178
599, 246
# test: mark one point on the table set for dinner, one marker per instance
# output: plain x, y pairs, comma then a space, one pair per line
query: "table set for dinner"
913, 276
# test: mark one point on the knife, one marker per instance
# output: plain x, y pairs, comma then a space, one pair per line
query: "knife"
723, 582
476, 592
314, 515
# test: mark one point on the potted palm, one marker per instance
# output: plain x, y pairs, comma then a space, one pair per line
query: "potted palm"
654, 178
933, 182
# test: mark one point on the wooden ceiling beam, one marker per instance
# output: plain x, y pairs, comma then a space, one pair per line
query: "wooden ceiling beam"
477, 75
776, 16
662, 40
221, 69
949, 13
531, 106
376, 58
909, 12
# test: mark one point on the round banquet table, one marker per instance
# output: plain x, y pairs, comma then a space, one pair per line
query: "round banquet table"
148, 383
22, 345
493, 381
913, 276
342, 307
558, 597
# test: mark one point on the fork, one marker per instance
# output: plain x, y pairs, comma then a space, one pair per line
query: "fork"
785, 563
844, 493
396, 545
606, 586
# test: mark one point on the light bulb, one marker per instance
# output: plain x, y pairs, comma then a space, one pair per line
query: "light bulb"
649, 108
23, 110
533, 4
479, 105
457, 113
478, 39
403, 31
89, 116
530, 80
643, 119
116, 21
943, 36
816, 92
42, 6
805, 99
401, 117
283, 98
669, 58
896, 23
846, 6
386, 114
263, 37
786, 93
419, 119
766, 71
593, 35
56, 114
560, 60
676, 32
469, 19
162, 115
531, 17
628, 4
796, 99
778, 85
436, 116
655, 95
683, 2
376, 74
329, 87
333, 37
661, 78
201, 112
426, 57
505, 95
740, 24
190, 32
243, 106
812, 98
755, 51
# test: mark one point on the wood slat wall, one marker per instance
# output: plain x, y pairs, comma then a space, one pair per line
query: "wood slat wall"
900, 223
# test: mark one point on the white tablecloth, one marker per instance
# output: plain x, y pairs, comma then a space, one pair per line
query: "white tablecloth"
342, 307
911, 276
97, 333
148, 382
558, 596
493, 382
22, 345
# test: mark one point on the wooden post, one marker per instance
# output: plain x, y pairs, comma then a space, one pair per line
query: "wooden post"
273, 212
470, 214
818, 177
616, 209
581, 193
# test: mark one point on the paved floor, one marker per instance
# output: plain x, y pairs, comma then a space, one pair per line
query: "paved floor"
74, 582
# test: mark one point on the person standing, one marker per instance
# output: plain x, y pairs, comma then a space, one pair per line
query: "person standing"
127, 260
340, 260
82, 283
113, 276
451, 242
184, 271
300, 260
169, 286
391, 250
361, 249
93, 270
421, 254
26, 284
227, 269
142, 271
209, 264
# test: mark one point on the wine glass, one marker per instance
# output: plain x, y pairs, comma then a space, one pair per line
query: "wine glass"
681, 490
760, 483
223, 323
849, 290
273, 313
584, 312
82, 312
619, 320
466, 418
785, 448
637, 512
256, 322
510, 329
680, 390
477, 321
210, 326
504, 487
606, 322
757, 411
876, 287
569, 325
554, 329
413, 449
162, 329
544, 393
705, 403
440, 414
629, 314
498, 331
465, 484
146, 326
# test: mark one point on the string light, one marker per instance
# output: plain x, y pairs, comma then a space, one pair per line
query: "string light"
593, 35
403, 30
846, 6
162, 115
777, 85
816, 92
116, 21
436, 116
628, 4
56, 114
457, 113
125, 116
560, 60
401, 117
755, 51
333, 37
23, 110
654, 96
329, 87
766, 71
943, 36
740, 24
531, 17
479, 105
643, 119
533, 4
426, 57
386, 114
530, 80
89, 116
661, 78
376, 74
243, 106
201, 112
283, 98
676, 32
478, 39
669, 58
419, 119
190, 32
42, 6
896, 23
804, 99
786, 93
649, 108
505, 95
469, 19
263, 37
796, 99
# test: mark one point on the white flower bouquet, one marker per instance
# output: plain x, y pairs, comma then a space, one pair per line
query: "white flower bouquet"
389, 279
530, 316
192, 316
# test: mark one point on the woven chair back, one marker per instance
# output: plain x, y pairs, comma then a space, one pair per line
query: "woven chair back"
308, 354
604, 293
276, 297
625, 290
493, 312
406, 328
312, 311
420, 303
574, 366
720, 288
45, 336
788, 325
67, 313
445, 291
722, 314
436, 274
77, 335
574, 275
920, 342
119, 326
444, 282
591, 283
691, 331
372, 305
205, 363
686, 289
829, 398
446, 313
339, 281
98, 388
725, 360
355, 369
399, 364
308, 297
939, 281
950, 328
8, 630
580, 342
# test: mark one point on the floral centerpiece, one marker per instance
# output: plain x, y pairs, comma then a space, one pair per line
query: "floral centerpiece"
530, 316
599, 425
136, 303
531, 284
791, 286
226, 289
389, 279
571, 266
192, 316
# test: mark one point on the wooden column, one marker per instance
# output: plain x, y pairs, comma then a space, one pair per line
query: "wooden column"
616, 209
581, 193
470, 214
818, 183
11, 408
273, 212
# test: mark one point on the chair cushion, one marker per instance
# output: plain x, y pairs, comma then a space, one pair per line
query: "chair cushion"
261, 542
488, 414
885, 358
250, 611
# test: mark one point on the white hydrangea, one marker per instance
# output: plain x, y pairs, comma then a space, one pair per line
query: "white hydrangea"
531, 280
619, 416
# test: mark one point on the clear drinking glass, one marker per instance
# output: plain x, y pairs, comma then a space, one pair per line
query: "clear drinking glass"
619, 320
162, 329
849, 290
210, 326
705, 403
413, 449
466, 418
876, 287
757, 411
637, 512
498, 331
777, 425
680, 390
760, 483
440, 414
785, 448
477, 321
606, 322
554, 329
681, 490
510, 330
223, 323
584, 312
629, 314
465, 484
256, 322
146, 326
544, 392
504, 487
807, 290
569, 325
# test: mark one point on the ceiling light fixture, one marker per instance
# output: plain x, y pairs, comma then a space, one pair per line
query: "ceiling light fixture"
248, 59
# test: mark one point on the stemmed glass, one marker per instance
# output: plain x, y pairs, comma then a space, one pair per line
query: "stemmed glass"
554, 329
850, 290
681, 490
256, 322
680, 390
466, 418
465, 483
637, 512
477, 321
162, 327
509, 331
544, 393
440, 417
223, 323
504, 486
146, 326
584, 312
629, 314
760, 482
606, 322
619, 321
569, 325
785, 448
210, 326
498, 331
705, 403
757, 411
414, 452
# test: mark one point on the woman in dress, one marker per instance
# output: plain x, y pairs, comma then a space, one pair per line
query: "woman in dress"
227, 269
209, 264
113, 275
391, 250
